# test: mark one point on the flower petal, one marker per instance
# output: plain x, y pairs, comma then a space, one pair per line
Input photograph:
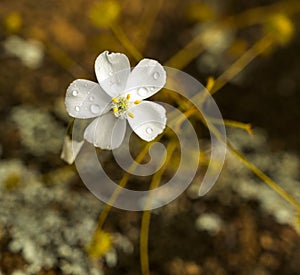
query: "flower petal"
106, 132
86, 99
149, 120
146, 79
70, 149
112, 71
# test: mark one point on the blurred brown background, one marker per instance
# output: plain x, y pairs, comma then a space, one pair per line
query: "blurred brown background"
47, 216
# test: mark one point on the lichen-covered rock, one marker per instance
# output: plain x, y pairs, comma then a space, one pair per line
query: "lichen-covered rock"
48, 224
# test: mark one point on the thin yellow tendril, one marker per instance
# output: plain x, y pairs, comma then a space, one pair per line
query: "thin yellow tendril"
285, 195
251, 17
145, 226
236, 124
258, 48
179, 60
244, 126
184, 56
122, 184
150, 16
257, 15
119, 33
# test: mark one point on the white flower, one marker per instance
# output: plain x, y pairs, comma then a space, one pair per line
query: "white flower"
118, 97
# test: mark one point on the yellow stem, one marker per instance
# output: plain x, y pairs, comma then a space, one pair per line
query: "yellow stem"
179, 60
236, 124
253, 16
234, 69
285, 195
244, 126
144, 237
145, 226
122, 184
119, 33
150, 16
210, 83
259, 47
184, 56
65, 60
259, 15
215, 85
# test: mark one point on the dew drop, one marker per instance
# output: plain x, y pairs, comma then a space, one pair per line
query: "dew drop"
152, 89
75, 93
156, 75
142, 91
95, 108
149, 130
91, 98
110, 73
85, 85
77, 108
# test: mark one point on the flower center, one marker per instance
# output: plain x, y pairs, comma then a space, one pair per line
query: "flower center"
121, 104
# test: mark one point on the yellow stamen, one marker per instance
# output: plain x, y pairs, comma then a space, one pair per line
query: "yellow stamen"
137, 102
131, 115
114, 100
115, 110
128, 96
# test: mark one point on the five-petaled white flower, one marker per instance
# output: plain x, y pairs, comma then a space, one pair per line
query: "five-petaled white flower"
118, 97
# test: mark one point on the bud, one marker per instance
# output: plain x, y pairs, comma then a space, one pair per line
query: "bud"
105, 13
281, 28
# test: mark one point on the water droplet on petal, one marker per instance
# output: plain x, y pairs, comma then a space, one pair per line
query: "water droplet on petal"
149, 130
152, 89
142, 91
85, 85
77, 108
95, 108
108, 147
110, 73
75, 93
91, 98
156, 75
